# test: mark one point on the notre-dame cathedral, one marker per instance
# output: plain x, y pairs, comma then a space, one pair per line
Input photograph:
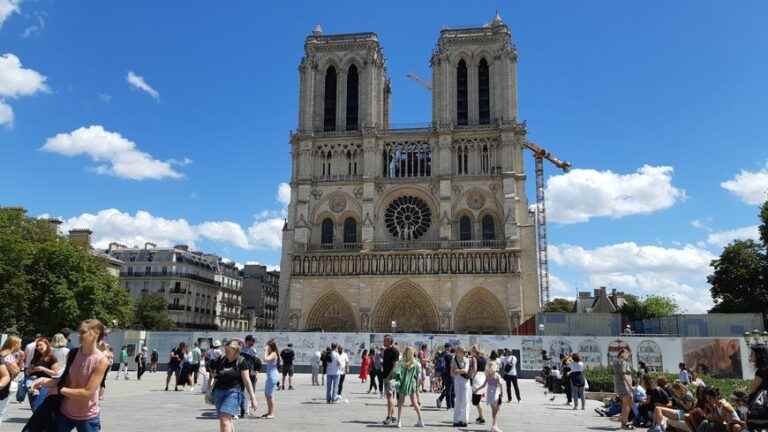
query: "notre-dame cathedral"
420, 228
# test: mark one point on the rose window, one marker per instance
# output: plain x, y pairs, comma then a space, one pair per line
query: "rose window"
408, 218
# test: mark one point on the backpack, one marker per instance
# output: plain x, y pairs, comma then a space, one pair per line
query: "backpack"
440, 365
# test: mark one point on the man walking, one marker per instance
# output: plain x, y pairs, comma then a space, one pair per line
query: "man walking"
443, 367
287, 356
390, 358
123, 360
197, 354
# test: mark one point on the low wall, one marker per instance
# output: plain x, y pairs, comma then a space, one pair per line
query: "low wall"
722, 357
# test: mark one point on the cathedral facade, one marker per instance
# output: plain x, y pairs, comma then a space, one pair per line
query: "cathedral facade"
423, 228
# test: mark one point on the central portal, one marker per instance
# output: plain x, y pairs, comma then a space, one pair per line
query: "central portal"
409, 307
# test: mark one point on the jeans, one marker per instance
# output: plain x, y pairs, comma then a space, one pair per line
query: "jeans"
4, 407
511, 380
447, 393
341, 383
37, 400
64, 424
376, 376
331, 387
578, 394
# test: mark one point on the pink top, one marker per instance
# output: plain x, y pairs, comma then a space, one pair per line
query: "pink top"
79, 374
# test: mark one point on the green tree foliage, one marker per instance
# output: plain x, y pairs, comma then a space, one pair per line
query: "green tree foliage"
740, 278
653, 306
48, 283
152, 313
559, 305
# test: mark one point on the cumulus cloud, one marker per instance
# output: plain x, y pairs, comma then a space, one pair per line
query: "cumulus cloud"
35, 28
583, 194
678, 272
750, 186
227, 232
559, 288
267, 232
723, 238
284, 194
119, 155
8, 7
15, 82
139, 83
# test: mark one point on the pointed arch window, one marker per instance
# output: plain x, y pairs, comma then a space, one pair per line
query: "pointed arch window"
465, 228
327, 232
462, 103
489, 228
350, 230
483, 88
329, 110
352, 98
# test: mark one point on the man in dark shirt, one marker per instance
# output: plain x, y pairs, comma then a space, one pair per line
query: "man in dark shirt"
391, 356
287, 355
445, 375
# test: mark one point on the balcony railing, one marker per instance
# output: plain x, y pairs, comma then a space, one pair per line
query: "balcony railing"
439, 244
338, 178
335, 246
175, 307
170, 275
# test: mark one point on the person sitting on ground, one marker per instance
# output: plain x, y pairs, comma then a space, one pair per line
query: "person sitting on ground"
655, 396
721, 416
638, 398
758, 393
682, 403
699, 412
612, 408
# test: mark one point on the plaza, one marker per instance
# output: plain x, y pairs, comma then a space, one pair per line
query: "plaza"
143, 406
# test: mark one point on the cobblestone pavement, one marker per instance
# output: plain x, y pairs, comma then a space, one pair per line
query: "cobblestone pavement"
144, 406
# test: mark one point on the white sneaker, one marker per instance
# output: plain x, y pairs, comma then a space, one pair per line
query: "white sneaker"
420, 424
399, 425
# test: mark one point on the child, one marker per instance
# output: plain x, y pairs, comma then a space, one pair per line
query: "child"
493, 389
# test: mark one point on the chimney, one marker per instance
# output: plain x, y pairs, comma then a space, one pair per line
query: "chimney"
53, 223
81, 237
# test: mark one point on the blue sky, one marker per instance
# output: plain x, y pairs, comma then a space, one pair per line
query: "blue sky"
198, 140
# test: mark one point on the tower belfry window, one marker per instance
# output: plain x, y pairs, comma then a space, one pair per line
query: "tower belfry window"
483, 87
352, 98
462, 107
465, 228
329, 110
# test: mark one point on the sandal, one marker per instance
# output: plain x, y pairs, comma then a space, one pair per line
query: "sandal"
627, 427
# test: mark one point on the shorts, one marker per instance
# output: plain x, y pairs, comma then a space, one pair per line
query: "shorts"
287, 370
680, 415
389, 386
227, 401
172, 369
476, 398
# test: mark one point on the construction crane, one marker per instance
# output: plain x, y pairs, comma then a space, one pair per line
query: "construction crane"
421, 81
539, 154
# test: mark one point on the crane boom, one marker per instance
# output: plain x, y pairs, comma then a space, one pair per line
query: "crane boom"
539, 155
421, 81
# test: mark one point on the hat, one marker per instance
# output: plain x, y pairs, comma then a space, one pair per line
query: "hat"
216, 343
144, 349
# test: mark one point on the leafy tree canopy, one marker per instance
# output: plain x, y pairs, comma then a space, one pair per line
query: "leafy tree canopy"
151, 313
559, 305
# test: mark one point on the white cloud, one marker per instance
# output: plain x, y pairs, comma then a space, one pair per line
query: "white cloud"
227, 232
559, 288
122, 157
723, 238
750, 186
270, 267
678, 272
267, 232
139, 83
582, 194
284, 194
6, 115
702, 224
35, 28
16, 81
8, 7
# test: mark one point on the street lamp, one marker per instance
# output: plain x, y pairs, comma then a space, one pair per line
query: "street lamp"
394, 326
541, 329
755, 337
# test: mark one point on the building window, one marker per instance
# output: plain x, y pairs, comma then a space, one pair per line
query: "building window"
485, 160
130, 270
327, 162
407, 159
165, 270
329, 111
465, 228
352, 99
148, 270
483, 88
350, 231
489, 228
462, 105
327, 232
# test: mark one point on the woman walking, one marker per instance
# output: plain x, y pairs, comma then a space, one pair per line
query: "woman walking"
230, 377
509, 369
364, 366
477, 373
460, 374
492, 385
577, 380
80, 384
622, 383
376, 371
407, 382
43, 365
273, 378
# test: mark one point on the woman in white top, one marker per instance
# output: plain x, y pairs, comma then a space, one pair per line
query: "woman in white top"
578, 381
60, 351
509, 373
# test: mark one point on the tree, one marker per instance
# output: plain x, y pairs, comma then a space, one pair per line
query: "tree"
740, 278
48, 283
653, 306
151, 313
559, 305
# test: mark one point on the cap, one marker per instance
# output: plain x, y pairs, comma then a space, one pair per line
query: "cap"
216, 343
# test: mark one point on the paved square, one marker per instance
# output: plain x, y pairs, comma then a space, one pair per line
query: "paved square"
144, 406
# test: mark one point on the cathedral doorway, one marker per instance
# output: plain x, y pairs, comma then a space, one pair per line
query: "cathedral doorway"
331, 313
409, 306
479, 311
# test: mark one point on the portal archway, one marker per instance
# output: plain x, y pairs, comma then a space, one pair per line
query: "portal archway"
331, 312
409, 306
479, 311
